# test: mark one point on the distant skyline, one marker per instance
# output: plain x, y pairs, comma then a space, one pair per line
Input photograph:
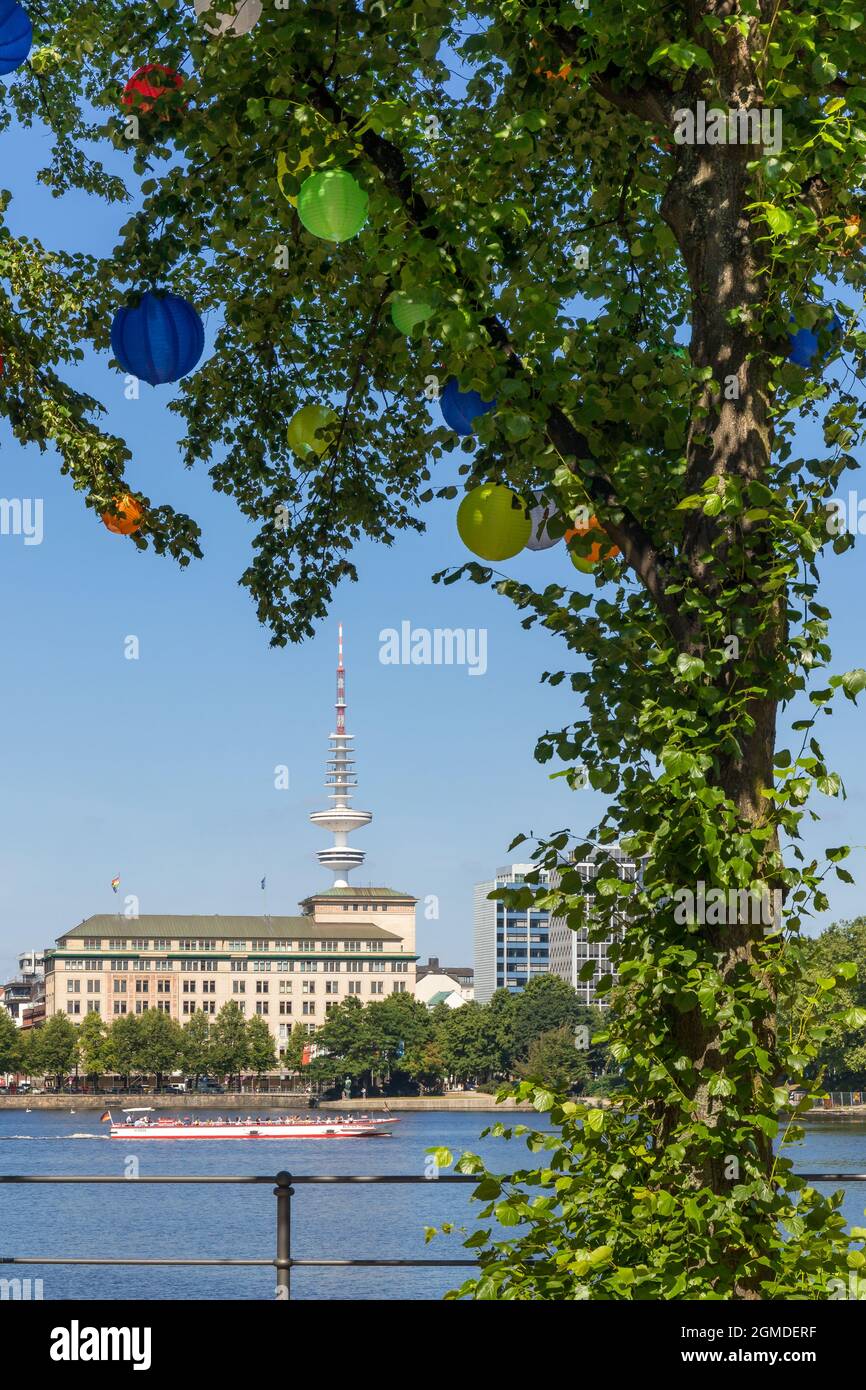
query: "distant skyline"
161, 769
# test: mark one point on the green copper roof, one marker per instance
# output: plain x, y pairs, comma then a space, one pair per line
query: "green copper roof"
365, 894
117, 926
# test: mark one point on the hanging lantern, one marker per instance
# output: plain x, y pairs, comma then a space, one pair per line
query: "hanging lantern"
16, 36
311, 431
492, 522
407, 310
460, 409
539, 536
126, 517
160, 340
597, 551
245, 17
148, 84
332, 205
804, 348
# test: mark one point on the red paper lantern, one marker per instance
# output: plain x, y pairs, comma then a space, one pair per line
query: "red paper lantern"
148, 84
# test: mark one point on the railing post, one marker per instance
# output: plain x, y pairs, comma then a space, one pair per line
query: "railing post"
284, 1192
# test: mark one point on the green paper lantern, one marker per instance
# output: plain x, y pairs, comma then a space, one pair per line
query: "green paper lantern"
311, 430
581, 563
492, 522
407, 310
332, 205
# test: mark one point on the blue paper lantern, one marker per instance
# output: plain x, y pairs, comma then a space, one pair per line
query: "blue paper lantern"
16, 36
460, 409
803, 345
160, 340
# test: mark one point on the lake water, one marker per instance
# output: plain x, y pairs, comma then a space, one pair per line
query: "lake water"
360, 1222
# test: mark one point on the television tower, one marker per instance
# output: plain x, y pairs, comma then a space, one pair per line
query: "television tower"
340, 780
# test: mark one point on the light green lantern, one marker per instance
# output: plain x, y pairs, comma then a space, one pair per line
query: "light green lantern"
407, 310
332, 205
493, 522
311, 431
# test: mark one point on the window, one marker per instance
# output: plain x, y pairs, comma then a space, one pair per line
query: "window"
120, 1006
161, 943
164, 1006
242, 1006
239, 986
308, 987
332, 987
208, 986
261, 1006
285, 965
400, 967
306, 945
115, 945
308, 966
93, 1006
329, 946
377, 987
238, 966
262, 986
120, 965
140, 943
285, 986
140, 1006
261, 965
354, 986
92, 943
260, 945
331, 967
307, 1008
94, 986
189, 1006
120, 986
162, 965
237, 945
285, 1006
73, 1007
355, 967
163, 986
141, 987
73, 986
311, 1028
398, 987
189, 986
209, 1006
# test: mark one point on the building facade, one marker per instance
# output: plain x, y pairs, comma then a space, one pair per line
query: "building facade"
288, 970
451, 985
24, 998
512, 945
347, 942
571, 949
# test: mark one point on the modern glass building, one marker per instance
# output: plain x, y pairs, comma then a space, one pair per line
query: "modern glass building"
570, 949
512, 945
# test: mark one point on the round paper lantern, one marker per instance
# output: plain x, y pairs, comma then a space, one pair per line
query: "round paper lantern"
803, 346
460, 409
160, 340
407, 310
332, 205
246, 16
148, 84
539, 536
311, 430
492, 522
16, 36
126, 517
597, 551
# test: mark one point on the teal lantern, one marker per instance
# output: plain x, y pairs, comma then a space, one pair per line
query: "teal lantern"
332, 205
407, 310
492, 522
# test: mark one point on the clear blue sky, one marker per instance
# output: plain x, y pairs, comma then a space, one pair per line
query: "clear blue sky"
161, 770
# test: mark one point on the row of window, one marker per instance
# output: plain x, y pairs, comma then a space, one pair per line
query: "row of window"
237, 966
254, 943
208, 1006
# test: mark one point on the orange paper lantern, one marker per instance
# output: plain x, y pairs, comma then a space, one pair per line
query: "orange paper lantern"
126, 517
597, 551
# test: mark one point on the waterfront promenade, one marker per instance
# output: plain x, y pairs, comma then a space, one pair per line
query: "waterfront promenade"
266, 1100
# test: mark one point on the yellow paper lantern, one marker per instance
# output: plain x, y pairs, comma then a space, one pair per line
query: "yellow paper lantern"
311, 431
493, 522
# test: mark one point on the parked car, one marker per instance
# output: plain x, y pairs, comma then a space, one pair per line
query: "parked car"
208, 1085
177, 1088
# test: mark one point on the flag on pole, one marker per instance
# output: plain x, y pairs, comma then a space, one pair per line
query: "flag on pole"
106, 1116
115, 884
264, 881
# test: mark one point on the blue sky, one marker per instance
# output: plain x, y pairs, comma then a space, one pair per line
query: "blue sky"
161, 770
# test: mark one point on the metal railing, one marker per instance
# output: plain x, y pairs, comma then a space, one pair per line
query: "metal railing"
284, 1190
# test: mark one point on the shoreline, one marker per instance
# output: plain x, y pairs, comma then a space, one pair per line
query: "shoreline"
258, 1101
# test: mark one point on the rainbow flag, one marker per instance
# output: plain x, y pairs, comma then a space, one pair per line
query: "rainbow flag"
115, 884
